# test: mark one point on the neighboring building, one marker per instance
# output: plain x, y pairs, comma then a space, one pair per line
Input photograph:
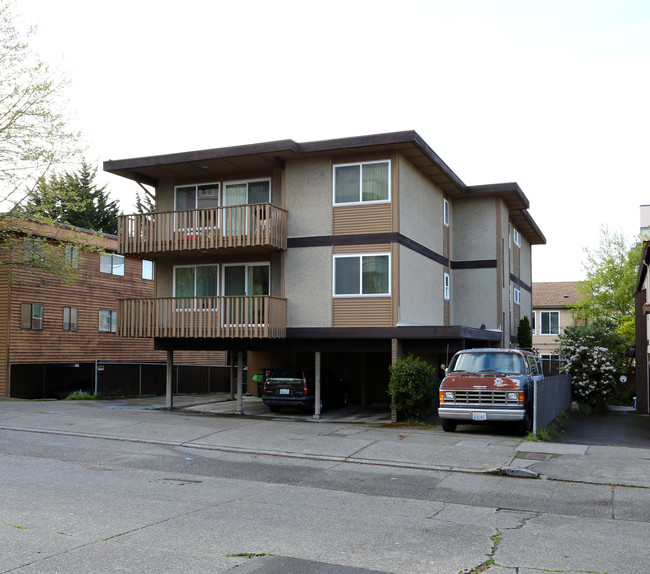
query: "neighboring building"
551, 314
642, 327
56, 337
347, 253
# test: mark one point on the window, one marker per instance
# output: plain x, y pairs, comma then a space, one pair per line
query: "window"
112, 263
33, 250
362, 274
365, 182
247, 192
31, 316
446, 212
107, 321
249, 279
192, 281
71, 257
147, 269
550, 322
516, 237
196, 196
447, 287
517, 296
70, 322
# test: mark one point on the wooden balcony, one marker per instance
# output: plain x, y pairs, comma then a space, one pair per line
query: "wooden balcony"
261, 225
257, 317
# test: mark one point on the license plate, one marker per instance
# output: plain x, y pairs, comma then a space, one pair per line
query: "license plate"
284, 391
479, 416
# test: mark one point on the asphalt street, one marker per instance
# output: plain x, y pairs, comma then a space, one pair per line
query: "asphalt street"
111, 487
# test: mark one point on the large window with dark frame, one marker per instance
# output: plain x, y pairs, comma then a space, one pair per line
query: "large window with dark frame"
107, 321
363, 182
70, 318
362, 275
550, 322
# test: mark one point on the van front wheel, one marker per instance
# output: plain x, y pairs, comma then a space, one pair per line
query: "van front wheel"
448, 425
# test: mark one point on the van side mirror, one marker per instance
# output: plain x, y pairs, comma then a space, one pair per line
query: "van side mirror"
443, 367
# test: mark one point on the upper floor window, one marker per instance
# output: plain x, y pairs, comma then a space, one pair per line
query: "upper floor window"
364, 182
362, 275
70, 318
107, 320
147, 269
196, 196
31, 316
247, 192
72, 256
447, 287
550, 322
111, 263
517, 296
33, 250
516, 237
446, 212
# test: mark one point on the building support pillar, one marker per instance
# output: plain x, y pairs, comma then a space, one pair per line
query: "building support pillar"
240, 383
169, 380
317, 392
396, 353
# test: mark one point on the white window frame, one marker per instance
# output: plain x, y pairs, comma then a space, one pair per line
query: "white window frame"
541, 324
213, 184
516, 237
247, 182
360, 197
446, 289
445, 212
113, 260
517, 296
147, 270
361, 256
194, 267
112, 320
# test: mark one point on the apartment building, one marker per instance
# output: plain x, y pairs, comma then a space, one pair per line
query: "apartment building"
57, 337
348, 252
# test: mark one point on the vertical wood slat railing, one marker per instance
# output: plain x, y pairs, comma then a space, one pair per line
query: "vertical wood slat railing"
251, 225
256, 316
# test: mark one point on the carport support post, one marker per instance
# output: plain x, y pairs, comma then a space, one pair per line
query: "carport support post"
240, 384
170, 380
317, 385
396, 353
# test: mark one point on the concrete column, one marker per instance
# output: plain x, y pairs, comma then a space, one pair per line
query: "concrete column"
240, 383
396, 353
170, 380
317, 397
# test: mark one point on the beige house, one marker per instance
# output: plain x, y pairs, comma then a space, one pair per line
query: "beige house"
551, 313
346, 253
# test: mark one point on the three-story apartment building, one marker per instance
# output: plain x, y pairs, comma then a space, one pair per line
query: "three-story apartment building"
355, 250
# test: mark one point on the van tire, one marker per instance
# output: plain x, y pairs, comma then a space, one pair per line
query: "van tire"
525, 425
448, 425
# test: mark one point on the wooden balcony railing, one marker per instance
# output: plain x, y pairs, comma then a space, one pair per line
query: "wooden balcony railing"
258, 317
252, 225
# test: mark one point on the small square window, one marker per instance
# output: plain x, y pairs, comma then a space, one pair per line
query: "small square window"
446, 213
31, 316
147, 269
447, 287
517, 296
111, 263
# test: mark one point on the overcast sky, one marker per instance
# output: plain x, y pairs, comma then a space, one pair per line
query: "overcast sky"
554, 95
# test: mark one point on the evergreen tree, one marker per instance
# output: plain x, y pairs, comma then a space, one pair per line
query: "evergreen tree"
525, 334
74, 198
144, 204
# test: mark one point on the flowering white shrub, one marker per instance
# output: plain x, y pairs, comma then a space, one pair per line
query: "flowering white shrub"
591, 366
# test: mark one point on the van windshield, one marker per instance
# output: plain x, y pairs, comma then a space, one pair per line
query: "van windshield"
509, 363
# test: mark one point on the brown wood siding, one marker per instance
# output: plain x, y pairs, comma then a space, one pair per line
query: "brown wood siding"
4, 328
375, 248
362, 312
517, 317
353, 219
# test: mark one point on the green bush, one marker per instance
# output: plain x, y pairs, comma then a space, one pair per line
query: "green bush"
412, 387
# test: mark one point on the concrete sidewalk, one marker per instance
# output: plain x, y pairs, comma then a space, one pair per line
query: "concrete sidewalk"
364, 438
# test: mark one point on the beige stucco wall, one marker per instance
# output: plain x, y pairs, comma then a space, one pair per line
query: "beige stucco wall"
309, 197
420, 207
420, 290
474, 234
474, 298
308, 286
548, 344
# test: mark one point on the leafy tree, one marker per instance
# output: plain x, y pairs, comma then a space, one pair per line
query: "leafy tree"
608, 290
74, 198
33, 133
525, 334
412, 387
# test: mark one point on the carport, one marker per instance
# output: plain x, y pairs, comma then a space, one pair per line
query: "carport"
363, 354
